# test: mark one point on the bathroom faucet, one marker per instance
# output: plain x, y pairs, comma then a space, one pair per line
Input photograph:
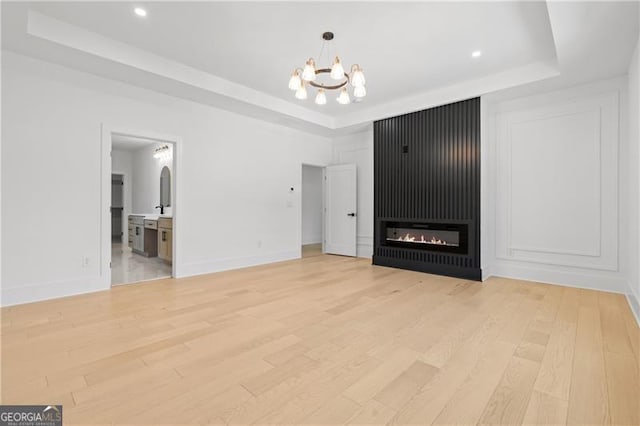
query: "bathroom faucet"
161, 207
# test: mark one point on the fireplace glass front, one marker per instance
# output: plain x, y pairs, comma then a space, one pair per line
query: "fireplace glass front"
450, 238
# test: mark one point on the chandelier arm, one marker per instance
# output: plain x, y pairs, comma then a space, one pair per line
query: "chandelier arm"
332, 87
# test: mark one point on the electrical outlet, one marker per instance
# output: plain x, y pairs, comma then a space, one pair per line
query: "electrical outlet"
85, 261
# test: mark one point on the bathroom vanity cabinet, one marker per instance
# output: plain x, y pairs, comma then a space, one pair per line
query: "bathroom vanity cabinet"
143, 235
165, 239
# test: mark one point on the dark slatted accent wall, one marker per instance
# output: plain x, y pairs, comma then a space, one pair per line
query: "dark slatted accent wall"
427, 168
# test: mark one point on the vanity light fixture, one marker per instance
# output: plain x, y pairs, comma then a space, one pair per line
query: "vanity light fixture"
163, 153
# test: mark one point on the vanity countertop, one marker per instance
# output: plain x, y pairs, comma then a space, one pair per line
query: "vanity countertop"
152, 216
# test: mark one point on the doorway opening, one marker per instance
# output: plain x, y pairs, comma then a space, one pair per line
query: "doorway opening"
312, 210
142, 206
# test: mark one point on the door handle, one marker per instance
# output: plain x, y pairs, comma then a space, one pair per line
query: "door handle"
351, 214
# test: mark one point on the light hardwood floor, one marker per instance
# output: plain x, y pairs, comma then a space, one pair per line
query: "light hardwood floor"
310, 250
327, 340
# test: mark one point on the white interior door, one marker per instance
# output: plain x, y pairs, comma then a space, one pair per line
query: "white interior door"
341, 215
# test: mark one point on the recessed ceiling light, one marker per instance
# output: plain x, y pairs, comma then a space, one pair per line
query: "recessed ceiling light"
476, 54
140, 11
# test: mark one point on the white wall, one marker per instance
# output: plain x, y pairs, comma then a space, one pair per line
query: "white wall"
146, 179
633, 164
235, 179
122, 163
312, 204
358, 149
554, 182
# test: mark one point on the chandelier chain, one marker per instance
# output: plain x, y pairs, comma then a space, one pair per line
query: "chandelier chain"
321, 50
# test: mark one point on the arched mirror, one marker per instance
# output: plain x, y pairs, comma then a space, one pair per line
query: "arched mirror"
165, 186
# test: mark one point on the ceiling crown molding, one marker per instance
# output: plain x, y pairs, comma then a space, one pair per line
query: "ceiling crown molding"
79, 39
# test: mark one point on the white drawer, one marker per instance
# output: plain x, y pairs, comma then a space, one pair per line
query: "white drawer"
136, 220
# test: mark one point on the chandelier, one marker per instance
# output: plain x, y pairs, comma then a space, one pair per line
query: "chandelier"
301, 77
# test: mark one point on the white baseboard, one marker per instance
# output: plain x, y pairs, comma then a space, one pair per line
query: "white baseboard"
486, 273
364, 246
364, 250
596, 280
634, 304
219, 265
52, 290
312, 240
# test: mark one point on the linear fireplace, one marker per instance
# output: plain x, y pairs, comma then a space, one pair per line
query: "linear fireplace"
441, 237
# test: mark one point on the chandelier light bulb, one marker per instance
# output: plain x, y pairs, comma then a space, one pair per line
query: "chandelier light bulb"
357, 76
301, 93
359, 92
309, 71
344, 99
321, 97
295, 82
337, 71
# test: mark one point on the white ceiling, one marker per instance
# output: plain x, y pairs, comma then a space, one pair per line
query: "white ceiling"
240, 54
130, 143
403, 47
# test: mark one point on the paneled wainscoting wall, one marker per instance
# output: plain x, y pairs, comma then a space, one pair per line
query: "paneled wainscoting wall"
554, 183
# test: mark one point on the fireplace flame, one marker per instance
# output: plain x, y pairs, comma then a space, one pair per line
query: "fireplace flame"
412, 239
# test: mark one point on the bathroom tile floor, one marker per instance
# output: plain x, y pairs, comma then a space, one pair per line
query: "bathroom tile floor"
128, 267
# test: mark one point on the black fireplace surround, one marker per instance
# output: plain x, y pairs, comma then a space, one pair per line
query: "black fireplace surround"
427, 190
